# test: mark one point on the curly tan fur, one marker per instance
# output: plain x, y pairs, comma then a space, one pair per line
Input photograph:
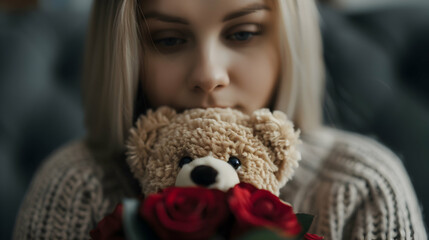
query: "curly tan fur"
265, 143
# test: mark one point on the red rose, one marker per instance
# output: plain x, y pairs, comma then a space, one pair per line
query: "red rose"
309, 236
185, 213
110, 227
254, 207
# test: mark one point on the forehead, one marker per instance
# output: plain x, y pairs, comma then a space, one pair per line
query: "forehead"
197, 10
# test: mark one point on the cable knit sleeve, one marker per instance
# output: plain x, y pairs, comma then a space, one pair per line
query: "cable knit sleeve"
360, 191
385, 205
66, 198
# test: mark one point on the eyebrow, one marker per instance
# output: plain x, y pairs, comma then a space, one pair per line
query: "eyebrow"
245, 11
173, 19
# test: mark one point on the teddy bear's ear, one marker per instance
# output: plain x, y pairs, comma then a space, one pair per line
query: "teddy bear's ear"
143, 136
277, 133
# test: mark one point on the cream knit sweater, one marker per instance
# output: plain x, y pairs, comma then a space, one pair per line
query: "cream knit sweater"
356, 188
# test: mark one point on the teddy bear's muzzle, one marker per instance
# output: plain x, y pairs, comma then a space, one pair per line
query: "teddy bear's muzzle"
207, 172
204, 175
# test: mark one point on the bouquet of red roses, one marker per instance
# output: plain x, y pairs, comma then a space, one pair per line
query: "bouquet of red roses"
243, 212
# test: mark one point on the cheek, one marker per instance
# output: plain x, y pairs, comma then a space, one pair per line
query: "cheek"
256, 77
163, 80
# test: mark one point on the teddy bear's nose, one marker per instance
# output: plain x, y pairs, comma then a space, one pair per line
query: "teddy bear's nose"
204, 175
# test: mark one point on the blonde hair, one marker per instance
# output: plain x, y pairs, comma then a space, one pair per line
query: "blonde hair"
111, 74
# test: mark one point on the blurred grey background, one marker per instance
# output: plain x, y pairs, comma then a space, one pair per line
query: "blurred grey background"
377, 60
41, 51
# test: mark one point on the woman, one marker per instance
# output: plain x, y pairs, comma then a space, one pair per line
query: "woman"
244, 54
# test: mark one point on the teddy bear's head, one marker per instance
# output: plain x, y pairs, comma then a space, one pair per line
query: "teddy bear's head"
215, 148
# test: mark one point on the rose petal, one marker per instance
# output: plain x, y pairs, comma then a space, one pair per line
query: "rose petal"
110, 227
185, 213
309, 236
254, 207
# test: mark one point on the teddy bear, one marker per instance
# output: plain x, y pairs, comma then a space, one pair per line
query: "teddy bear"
213, 148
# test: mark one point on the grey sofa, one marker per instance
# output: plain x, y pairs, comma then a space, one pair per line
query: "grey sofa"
377, 63
40, 68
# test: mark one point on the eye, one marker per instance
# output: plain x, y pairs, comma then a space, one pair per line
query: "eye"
184, 160
169, 42
243, 36
234, 162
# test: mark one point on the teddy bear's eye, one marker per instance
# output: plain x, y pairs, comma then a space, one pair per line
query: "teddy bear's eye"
185, 160
234, 162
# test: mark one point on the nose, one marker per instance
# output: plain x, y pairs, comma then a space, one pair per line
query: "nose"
209, 70
204, 175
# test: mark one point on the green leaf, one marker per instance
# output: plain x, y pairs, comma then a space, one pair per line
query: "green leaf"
263, 233
135, 228
305, 220
217, 237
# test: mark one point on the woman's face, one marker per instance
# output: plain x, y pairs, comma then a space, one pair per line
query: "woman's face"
209, 53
